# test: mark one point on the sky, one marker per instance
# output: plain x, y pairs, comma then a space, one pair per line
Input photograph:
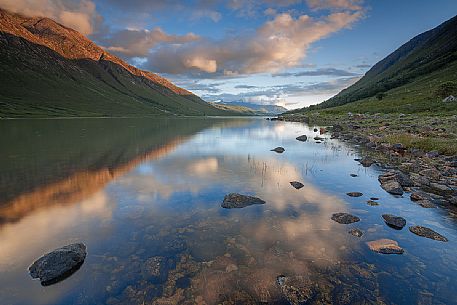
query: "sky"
292, 53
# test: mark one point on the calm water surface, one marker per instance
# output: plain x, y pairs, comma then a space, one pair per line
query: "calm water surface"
142, 191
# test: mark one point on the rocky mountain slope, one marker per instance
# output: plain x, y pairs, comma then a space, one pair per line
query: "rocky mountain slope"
47, 69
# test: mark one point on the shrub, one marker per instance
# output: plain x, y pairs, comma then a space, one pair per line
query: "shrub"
445, 89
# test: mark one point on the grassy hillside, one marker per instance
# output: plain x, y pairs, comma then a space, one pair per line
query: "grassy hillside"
408, 80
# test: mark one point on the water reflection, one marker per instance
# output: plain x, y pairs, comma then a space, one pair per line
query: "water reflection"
147, 193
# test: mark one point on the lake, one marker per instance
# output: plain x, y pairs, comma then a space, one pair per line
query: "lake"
145, 197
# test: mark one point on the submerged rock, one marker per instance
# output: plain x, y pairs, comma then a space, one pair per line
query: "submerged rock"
353, 175
302, 138
344, 218
279, 150
427, 233
354, 194
235, 200
356, 232
385, 246
393, 221
156, 269
296, 289
58, 264
297, 185
372, 203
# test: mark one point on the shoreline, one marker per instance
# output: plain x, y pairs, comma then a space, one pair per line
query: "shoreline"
420, 160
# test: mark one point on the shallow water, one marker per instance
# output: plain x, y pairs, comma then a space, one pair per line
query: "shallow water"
137, 191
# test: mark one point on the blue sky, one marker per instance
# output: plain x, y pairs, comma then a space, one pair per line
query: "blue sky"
288, 52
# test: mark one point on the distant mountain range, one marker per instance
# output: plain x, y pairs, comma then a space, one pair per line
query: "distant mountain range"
47, 69
257, 109
407, 80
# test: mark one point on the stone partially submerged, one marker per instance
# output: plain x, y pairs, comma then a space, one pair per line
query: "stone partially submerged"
296, 289
385, 246
58, 264
345, 218
427, 233
302, 138
279, 150
356, 232
394, 181
393, 221
297, 185
235, 200
354, 194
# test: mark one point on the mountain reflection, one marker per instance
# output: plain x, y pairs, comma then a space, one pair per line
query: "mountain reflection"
56, 162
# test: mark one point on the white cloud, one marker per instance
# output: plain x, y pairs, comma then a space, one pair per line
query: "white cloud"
280, 43
79, 15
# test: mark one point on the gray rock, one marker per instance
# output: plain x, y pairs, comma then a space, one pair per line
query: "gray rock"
398, 176
345, 218
393, 187
297, 185
354, 194
356, 232
302, 138
318, 138
234, 200
353, 175
432, 154
58, 264
393, 221
385, 246
427, 233
337, 128
450, 99
279, 150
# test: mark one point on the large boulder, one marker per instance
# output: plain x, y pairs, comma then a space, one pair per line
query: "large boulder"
235, 200
450, 99
58, 264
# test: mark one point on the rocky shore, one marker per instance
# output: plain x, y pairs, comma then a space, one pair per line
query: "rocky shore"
418, 154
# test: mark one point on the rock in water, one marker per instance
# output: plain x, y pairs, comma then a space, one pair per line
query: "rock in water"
393, 221
392, 187
58, 264
279, 150
354, 194
356, 232
302, 138
297, 185
235, 200
385, 246
427, 232
345, 218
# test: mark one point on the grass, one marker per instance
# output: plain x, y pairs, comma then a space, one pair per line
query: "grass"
442, 145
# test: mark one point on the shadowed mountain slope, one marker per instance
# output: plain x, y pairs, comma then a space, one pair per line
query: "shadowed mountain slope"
47, 69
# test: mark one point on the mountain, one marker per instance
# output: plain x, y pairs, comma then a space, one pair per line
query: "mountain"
255, 108
407, 80
47, 69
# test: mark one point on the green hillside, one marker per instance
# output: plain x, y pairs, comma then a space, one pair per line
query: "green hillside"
411, 79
